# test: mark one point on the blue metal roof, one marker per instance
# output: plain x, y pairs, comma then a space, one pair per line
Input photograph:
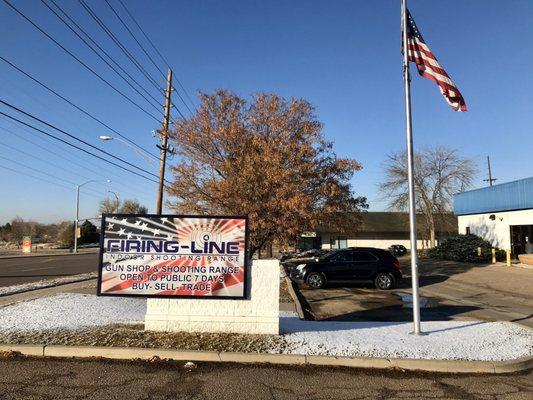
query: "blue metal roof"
516, 195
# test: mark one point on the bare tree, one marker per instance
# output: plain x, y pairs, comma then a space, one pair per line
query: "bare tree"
439, 173
133, 207
109, 206
266, 158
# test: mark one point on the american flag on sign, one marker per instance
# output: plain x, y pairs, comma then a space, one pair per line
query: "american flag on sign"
429, 67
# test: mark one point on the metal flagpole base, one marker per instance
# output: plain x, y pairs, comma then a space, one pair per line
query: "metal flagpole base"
418, 334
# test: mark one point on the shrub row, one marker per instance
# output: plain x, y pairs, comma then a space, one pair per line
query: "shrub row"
464, 248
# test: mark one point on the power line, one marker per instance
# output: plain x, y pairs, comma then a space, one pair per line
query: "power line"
44, 173
155, 48
80, 61
157, 106
48, 163
119, 44
135, 38
145, 52
74, 137
75, 162
74, 146
41, 160
42, 179
76, 106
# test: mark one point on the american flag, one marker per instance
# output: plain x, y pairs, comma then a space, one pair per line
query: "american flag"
429, 67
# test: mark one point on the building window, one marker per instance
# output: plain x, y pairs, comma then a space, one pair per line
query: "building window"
468, 230
339, 242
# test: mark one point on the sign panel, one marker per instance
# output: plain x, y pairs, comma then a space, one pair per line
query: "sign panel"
26, 244
172, 256
308, 234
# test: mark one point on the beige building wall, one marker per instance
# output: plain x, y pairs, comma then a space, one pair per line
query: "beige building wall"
377, 243
498, 232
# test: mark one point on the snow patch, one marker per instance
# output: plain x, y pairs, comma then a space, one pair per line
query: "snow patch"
70, 311
444, 340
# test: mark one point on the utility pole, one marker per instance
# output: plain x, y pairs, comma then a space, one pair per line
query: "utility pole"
164, 144
491, 179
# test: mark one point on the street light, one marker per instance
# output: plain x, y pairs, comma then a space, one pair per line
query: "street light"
78, 210
143, 154
116, 197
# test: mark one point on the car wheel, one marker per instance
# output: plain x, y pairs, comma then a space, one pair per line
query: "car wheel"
384, 281
315, 280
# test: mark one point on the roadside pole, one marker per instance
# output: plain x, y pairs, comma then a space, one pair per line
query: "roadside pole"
410, 167
164, 144
77, 218
76, 222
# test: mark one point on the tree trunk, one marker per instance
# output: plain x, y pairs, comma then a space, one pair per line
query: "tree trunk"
431, 230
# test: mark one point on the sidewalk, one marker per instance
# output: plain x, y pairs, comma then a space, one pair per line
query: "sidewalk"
499, 277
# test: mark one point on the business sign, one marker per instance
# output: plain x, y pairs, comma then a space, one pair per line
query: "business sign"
26, 244
172, 256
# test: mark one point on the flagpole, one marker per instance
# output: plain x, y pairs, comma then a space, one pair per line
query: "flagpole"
410, 167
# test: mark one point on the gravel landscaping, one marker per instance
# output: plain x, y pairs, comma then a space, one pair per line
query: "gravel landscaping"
134, 335
80, 319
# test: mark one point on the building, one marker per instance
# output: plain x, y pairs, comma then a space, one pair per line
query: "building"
378, 229
501, 214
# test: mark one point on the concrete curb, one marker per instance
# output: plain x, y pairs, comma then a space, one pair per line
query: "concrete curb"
135, 353
294, 296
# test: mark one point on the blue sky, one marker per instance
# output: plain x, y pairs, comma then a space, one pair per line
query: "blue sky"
342, 56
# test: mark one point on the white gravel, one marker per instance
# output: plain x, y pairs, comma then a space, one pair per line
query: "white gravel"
70, 311
444, 340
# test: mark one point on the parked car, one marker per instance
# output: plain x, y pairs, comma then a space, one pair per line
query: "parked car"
354, 264
297, 258
398, 250
304, 254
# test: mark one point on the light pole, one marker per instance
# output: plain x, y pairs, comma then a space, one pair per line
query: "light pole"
116, 196
144, 155
76, 221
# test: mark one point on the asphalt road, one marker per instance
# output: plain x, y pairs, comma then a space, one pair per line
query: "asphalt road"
14, 271
68, 379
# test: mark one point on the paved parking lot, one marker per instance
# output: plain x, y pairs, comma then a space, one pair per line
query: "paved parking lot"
450, 290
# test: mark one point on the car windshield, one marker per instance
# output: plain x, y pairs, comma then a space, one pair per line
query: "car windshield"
328, 255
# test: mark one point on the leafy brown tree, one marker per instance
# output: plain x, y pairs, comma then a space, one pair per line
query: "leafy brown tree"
439, 173
266, 158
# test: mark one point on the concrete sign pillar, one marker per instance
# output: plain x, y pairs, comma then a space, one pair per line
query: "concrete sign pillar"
258, 313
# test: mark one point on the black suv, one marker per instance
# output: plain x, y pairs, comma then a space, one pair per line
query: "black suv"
354, 264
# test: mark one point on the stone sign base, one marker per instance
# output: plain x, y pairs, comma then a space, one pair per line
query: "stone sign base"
257, 314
